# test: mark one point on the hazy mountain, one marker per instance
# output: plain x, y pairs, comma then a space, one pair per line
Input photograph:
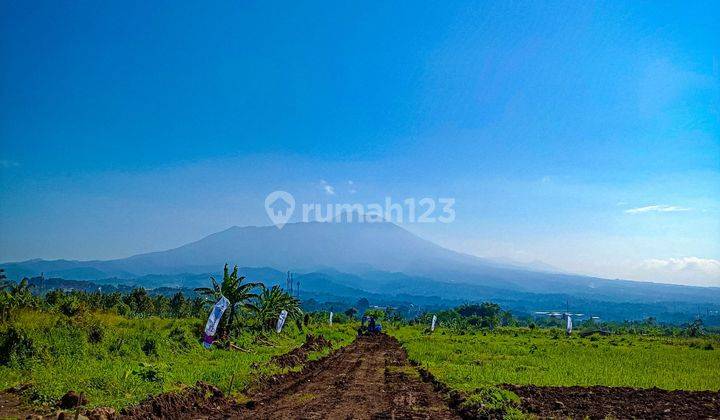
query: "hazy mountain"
350, 259
298, 246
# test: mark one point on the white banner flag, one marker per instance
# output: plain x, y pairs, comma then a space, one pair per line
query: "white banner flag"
331, 314
569, 325
214, 319
281, 321
432, 326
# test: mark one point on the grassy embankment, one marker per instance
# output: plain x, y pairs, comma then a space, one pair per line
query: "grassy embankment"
117, 361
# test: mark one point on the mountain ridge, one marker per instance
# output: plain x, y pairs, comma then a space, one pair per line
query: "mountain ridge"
364, 249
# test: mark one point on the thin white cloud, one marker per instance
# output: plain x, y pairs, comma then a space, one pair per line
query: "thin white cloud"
351, 186
658, 208
329, 189
685, 270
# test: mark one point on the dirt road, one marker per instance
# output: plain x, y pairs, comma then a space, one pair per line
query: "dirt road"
368, 379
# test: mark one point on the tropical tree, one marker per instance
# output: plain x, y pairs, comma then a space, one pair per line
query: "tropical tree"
239, 294
22, 296
5, 298
351, 313
139, 301
14, 296
271, 302
178, 305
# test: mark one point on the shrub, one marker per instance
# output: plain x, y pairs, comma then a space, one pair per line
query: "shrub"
17, 348
149, 372
150, 347
72, 307
118, 347
182, 337
95, 332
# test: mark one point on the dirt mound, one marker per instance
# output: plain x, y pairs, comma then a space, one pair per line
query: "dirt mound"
598, 402
201, 400
72, 399
300, 354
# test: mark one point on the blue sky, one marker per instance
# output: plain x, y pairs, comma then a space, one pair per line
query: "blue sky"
131, 126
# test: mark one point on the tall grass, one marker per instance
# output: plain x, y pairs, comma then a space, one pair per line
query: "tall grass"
117, 361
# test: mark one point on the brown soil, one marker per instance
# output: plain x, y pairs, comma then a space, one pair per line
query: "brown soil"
299, 355
368, 379
201, 401
372, 379
598, 402
11, 407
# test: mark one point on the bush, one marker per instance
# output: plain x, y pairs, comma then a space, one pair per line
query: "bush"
17, 348
95, 332
150, 347
149, 372
72, 307
118, 347
182, 337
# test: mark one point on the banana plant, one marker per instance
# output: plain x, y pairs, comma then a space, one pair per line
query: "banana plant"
271, 302
238, 293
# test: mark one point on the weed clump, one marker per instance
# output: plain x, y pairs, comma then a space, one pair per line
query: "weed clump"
182, 337
95, 333
150, 347
149, 372
490, 402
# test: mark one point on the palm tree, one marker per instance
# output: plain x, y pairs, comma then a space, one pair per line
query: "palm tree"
237, 293
271, 302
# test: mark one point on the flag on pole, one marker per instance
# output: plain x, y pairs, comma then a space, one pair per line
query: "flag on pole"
281, 321
213, 320
331, 314
569, 325
432, 326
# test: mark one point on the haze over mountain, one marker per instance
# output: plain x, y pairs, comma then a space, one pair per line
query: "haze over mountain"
381, 261
352, 247
356, 248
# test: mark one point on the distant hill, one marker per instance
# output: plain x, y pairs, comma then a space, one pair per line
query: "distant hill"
350, 247
352, 259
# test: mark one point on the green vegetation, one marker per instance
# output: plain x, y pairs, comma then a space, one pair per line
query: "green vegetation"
548, 357
116, 361
117, 349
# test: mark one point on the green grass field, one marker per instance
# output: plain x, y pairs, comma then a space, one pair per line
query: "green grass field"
117, 361
544, 357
